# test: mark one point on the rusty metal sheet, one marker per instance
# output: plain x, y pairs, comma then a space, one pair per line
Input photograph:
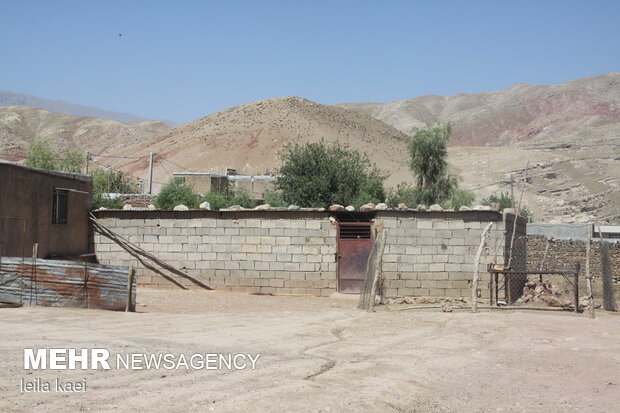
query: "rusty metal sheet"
55, 283
354, 247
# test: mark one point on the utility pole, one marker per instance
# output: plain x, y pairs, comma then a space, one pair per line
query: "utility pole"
512, 189
151, 174
87, 159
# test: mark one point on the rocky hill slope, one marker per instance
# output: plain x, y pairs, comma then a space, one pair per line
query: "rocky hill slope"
19, 125
248, 138
520, 113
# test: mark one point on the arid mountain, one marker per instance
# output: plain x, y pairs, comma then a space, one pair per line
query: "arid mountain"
249, 137
20, 124
8, 98
569, 133
520, 113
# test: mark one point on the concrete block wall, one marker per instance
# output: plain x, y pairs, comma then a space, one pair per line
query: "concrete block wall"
289, 256
434, 257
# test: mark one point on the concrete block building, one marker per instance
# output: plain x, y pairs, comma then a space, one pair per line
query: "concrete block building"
315, 252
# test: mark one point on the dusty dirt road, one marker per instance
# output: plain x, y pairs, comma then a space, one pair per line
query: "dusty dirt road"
319, 355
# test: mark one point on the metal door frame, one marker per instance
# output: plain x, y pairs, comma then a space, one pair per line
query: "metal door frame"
338, 247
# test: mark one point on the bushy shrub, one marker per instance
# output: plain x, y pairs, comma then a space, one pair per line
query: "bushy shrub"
219, 200
275, 199
403, 193
176, 192
459, 198
505, 201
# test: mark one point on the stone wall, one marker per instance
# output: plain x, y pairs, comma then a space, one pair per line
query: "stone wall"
435, 257
564, 254
266, 255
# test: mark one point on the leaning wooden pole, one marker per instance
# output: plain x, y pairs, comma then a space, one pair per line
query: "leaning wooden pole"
474, 282
135, 250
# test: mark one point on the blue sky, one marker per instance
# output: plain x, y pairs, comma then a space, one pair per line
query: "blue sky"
180, 60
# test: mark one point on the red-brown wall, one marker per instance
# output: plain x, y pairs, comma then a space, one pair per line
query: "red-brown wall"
26, 199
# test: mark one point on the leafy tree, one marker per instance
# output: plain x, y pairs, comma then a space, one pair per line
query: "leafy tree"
73, 160
111, 181
429, 163
318, 175
42, 155
177, 192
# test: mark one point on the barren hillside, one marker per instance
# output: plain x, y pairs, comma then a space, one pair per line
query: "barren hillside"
19, 125
8, 98
570, 134
249, 137
517, 114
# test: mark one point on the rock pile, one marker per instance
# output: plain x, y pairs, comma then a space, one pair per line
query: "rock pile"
544, 292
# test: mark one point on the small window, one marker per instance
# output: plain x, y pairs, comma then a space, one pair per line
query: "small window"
59, 208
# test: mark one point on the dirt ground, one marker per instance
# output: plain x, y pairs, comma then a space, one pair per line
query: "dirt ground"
320, 355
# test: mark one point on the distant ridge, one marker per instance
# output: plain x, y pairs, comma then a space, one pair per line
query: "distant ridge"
517, 114
8, 98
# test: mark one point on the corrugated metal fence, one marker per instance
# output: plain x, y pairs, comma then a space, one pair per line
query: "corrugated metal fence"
55, 283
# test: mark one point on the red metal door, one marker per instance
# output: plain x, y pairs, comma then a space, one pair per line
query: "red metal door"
354, 247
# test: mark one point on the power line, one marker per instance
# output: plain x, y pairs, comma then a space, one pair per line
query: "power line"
119, 157
174, 163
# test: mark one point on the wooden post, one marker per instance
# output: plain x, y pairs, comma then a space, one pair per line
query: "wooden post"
514, 226
577, 269
474, 282
377, 271
130, 306
588, 273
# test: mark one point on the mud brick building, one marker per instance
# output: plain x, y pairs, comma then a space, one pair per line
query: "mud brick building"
45, 208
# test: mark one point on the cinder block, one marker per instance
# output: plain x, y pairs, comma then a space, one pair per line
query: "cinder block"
437, 267
175, 247
261, 265
275, 282
267, 240
231, 265
291, 266
440, 224
276, 266
307, 267
424, 224
264, 249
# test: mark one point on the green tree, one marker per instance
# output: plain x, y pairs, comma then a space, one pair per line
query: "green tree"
42, 155
318, 175
176, 192
110, 181
429, 163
